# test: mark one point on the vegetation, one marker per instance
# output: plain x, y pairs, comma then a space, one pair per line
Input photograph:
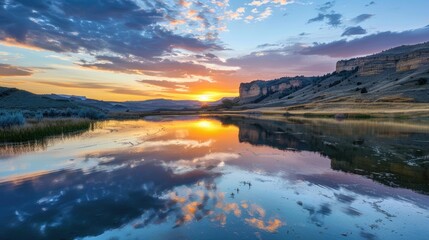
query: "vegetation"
422, 81
40, 130
9, 120
91, 114
31, 125
228, 103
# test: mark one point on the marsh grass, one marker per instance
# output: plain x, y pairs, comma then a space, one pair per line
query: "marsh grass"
35, 130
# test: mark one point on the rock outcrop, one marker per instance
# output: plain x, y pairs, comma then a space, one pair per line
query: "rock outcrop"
400, 74
400, 59
259, 90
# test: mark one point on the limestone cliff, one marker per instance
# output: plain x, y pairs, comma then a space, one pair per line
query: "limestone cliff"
400, 59
400, 74
259, 90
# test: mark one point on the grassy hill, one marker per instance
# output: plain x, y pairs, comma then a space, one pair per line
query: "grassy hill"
15, 99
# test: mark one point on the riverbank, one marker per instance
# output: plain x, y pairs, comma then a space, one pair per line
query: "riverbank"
311, 110
35, 130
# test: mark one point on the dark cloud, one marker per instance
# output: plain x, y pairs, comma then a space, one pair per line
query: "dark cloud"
326, 6
9, 71
332, 19
278, 62
105, 86
350, 31
370, 3
267, 45
118, 26
368, 44
164, 68
362, 17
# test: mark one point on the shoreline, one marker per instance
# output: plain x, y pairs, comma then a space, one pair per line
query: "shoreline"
320, 110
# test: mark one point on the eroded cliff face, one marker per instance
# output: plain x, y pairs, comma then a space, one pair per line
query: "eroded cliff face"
398, 60
398, 74
259, 90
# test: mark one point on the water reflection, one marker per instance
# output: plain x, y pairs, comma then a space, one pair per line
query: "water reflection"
394, 154
193, 178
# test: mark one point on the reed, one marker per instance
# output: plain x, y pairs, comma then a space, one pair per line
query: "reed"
34, 130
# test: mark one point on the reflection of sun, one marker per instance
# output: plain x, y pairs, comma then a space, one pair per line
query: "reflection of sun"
204, 98
205, 124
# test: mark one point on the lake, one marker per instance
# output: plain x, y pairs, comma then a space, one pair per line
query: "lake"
225, 177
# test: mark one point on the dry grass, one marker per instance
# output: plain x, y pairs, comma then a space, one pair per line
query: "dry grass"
39, 130
399, 109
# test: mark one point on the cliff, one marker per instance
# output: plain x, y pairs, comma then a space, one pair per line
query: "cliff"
397, 75
400, 59
259, 90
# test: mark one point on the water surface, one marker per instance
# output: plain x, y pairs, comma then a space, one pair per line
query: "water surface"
220, 178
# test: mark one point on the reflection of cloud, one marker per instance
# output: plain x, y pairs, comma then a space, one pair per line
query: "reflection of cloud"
177, 142
207, 161
255, 209
232, 207
189, 211
316, 215
219, 156
271, 226
60, 202
213, 204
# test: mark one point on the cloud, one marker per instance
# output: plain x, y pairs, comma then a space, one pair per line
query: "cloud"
267, 45
370, 4
368, 44
258, 3
104, 86
162, 68
332, 19
72, 26
326, 6
264, 14
350, 31
7, 70
362, 18
279, 62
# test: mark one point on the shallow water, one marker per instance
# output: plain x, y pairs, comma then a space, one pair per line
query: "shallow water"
220, 178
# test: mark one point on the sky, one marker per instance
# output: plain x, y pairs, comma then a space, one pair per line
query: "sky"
124, 50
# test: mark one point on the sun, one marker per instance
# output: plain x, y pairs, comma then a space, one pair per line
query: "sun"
204, 98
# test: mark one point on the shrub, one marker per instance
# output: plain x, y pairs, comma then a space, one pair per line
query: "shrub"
91, 114
335, 83
227, 103
38, 116
364, 90
422, 81
8, 120
358, 83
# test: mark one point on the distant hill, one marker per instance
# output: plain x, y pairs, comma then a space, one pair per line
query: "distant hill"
136, 106
12, 98
15, 99
397, 75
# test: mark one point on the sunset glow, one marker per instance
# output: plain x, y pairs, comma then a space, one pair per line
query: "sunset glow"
194, 50
204, 98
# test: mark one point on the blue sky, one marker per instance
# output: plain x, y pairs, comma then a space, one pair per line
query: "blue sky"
186, 49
